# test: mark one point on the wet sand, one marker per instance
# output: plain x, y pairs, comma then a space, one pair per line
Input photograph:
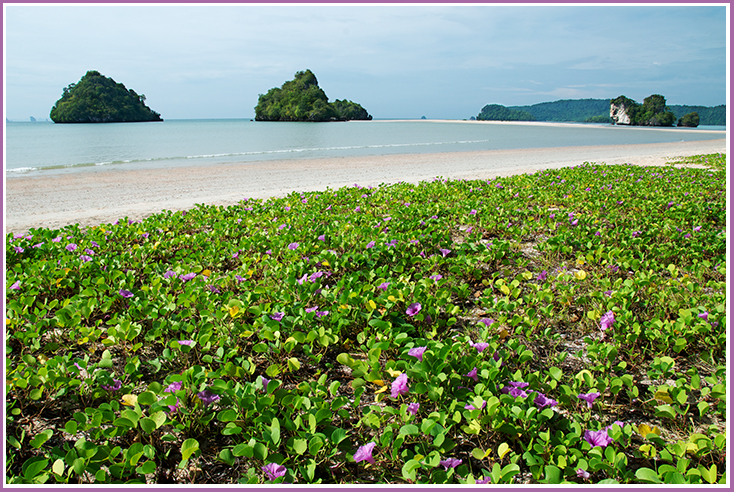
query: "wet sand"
93, 198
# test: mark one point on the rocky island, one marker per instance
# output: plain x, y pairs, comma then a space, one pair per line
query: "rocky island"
652, 112
301, 99
99, 99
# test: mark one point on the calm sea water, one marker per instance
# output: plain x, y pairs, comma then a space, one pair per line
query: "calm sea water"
45, 148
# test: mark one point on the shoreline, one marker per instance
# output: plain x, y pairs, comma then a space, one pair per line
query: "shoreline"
90, 199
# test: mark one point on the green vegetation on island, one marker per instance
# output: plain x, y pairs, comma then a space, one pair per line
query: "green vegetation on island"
652, 112
99, 99
588, 111
566, 326
301, 99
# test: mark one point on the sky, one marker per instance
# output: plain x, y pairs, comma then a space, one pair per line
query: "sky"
397, 61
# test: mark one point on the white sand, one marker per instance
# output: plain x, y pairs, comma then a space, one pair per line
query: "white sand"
93, 198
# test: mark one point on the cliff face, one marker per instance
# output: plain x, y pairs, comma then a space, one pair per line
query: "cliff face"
618, 114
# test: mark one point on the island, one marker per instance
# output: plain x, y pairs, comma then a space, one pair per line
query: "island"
99, 99
301, 99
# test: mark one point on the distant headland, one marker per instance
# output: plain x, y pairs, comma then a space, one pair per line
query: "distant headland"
301, 99
602, 111
99, 99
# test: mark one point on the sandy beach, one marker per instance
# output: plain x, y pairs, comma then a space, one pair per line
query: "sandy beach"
93, 198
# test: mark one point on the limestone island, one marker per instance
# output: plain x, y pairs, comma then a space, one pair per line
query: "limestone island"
301, 99
652, 112
99, 99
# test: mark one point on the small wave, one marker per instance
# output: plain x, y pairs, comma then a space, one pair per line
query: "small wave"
253, 153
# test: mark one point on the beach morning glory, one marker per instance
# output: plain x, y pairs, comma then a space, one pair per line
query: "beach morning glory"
598, 438
264, 382
473, 374
125, 293
274, 470
400, 386
413, 408
450, 463
175, 386
417, 352
70, 247
589, 398
186, 342
543, 401
484, 481
383, 286
187, 277
413, 309
115, 386
581, 473
292, 246
480, 346
16, 285
607, 320
18, 249
277, 316
472, 407
364, 453
445, 252
207, 397
371, 244
486, 322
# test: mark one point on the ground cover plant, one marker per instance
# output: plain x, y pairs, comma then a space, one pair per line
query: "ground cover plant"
564, 326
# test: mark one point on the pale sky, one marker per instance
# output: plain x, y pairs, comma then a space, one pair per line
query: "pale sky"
438, 61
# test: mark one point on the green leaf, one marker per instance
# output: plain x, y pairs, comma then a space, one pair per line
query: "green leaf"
58, 467
41, 438
71, 427
647, 475
189, 447
665, 411
293, 364
147, 424
409, 469
409, 430
275, 432
228, 415
146, 468
147, 398
553, 474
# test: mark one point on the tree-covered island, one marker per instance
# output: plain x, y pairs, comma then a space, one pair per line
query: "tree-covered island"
301, 99
99, 99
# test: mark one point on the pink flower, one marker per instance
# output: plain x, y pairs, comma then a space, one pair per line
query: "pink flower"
16, 285
450, 463
400, 386
417, 352
413, 309
598, 438
480, 346
472, 407
364, 453
473, 374
274, 470
173, 387
607, 320
581, 473
292, 246
277, 316
486, 321
413, 408
311, 309
589, 398
383, 286
125, 293
186, 342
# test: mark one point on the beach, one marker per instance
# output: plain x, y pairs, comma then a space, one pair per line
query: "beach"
104, 196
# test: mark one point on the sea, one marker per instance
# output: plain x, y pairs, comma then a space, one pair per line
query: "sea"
45, 148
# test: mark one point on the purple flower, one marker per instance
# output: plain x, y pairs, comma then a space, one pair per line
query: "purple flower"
38, 245
371, 244
186, 342
473, 212
264, 382
581, 473
413, 408
187, 277
445, 252
169, 274
207, 397
607, 320
364, 453
16, 285
598, 438
436, 277
322, 237
311, 309
417, 352
239, 279
214, 289
173, 387
697, 228
274, 470
85, 258
543, 401
472, 407
515, 389
472, 374
319, 314
704, 315
125, 293
292, 246
315, 275
542, 275
450, 463
617, 422
484, 481
277, 316
57, 239
71, 247
18, 249
486, 321
400, 386
413, 309
480, 346
116, 385
589, 398
383, 286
